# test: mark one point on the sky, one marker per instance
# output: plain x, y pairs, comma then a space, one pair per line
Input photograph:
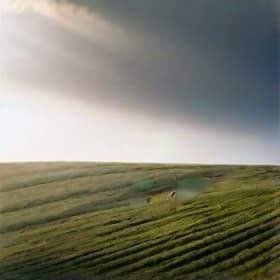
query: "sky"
192, 81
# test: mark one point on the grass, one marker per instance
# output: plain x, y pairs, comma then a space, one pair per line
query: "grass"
92, 221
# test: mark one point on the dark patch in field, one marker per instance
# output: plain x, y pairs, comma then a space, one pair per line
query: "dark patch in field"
218, 276
78, 276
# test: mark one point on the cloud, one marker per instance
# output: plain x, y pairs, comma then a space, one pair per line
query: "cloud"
198, 61
185, 64
73, 17
46, 7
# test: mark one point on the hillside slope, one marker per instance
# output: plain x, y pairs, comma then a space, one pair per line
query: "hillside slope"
94, 221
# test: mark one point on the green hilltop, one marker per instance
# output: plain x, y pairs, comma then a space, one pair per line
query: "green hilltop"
69, 220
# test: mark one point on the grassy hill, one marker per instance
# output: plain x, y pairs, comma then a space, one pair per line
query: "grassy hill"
94, 221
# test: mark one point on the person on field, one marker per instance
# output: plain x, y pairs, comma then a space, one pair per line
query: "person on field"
171, 198
171, 195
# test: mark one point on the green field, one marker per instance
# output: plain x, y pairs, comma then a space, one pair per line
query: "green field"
92, 221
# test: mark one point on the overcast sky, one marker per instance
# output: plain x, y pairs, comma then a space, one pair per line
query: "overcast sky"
140, 80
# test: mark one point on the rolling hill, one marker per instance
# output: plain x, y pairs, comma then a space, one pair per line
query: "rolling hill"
95, 221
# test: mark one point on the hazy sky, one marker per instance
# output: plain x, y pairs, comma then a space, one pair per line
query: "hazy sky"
140, 80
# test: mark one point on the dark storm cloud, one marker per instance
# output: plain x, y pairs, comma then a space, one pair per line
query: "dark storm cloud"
211, 62
227, 50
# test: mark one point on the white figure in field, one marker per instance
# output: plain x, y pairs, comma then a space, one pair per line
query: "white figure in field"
171, 195
171, 198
